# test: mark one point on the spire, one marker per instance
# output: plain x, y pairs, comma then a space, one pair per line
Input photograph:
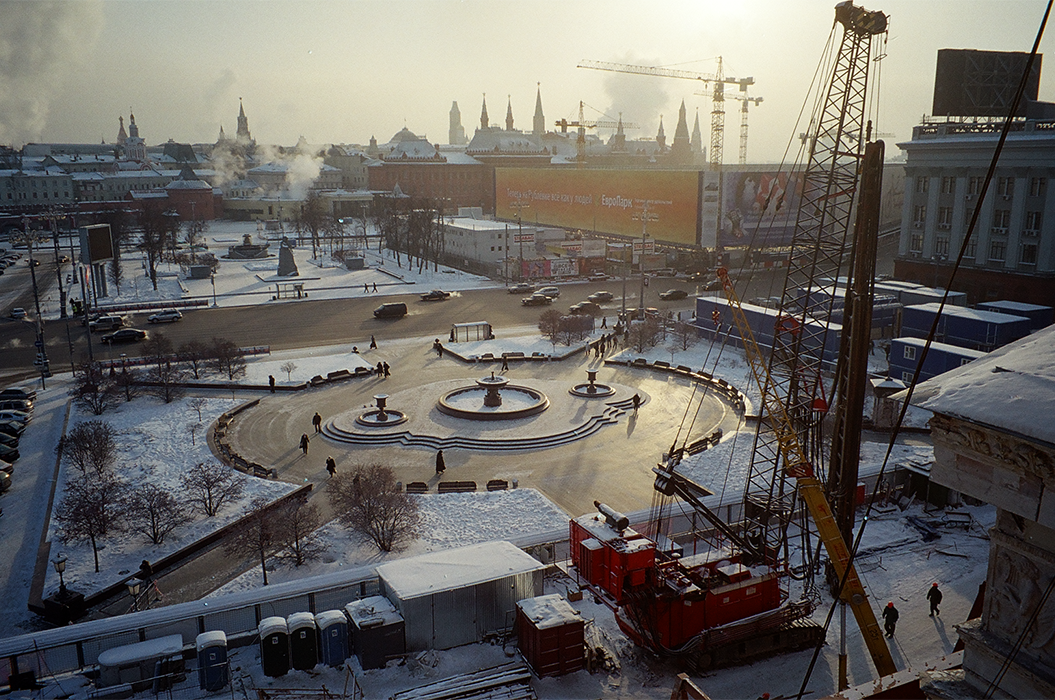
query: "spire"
243, 124
241, 109
618, 142
483, 114
222, 137
661, 138
509, 113
538, 123
696, 142
680, 150
122, 136
133, 130
456, 132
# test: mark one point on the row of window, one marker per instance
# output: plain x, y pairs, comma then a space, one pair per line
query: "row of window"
1001, 219
997, 249
22, 195
1005, 186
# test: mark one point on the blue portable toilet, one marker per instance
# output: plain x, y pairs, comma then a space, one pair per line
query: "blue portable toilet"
213, 673
333, 637
274, 646
303, 641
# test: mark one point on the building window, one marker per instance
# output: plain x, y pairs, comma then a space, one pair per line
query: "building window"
1036, 186
1029, 254
906, 377
916, 243
941, 246
1005, 186
997, 251
1032, 223
922, 183
971, 251
948, 184
919, 214
910, 352
1001, 220
974, 184
944, 217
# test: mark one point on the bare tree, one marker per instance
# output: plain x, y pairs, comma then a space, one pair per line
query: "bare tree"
127, 382
254, 536
573, 328
154, 513
296, 537
368, 501
94, 389
226, 357
157, 232
198, 403
166, 380
196, 354
91, 509
159, 349
211, 486
193, 429
645, 334
288, 368
685, 335
549, 325
90, 447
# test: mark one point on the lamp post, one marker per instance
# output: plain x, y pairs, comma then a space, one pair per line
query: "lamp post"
520, 206
644, 217
212, 278
42, 354
59, 563
133, 590
53, 216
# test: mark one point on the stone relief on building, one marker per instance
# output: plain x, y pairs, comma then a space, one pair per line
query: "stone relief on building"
1016, 589
1008, 449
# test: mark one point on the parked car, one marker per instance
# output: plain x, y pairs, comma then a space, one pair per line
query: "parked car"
673, 294
536, 299
551, 292
165, 316
9, 454
14, 416
9, 440
125, 335
16, 405
598, 297
11, 427
18, 313
18, 393
106, 323
435, 295
391, 310
597, 277
585, 308
521, 288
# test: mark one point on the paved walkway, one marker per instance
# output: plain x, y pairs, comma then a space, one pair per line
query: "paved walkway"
613, 465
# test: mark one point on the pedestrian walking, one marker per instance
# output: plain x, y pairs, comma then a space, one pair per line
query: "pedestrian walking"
452, 336
375, 286
438, 347
386, 369
889, 618
271, 382
440, 465
304, 443
316, 420
366, 288
934, 596
637, 402
373, 343
331, 465
604, 322
379, 370
505, 363
355, 349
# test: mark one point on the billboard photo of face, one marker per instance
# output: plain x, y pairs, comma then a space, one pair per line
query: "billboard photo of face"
760, 208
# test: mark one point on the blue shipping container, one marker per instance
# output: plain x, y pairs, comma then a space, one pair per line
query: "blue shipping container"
905, 354
1039, 316
968, 328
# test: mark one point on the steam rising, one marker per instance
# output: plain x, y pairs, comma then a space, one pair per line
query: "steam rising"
40, 42
640, 98
302, 166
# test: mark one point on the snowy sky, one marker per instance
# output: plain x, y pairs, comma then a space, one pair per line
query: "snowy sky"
343, 70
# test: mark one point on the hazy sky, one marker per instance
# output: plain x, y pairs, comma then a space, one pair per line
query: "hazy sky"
339, 71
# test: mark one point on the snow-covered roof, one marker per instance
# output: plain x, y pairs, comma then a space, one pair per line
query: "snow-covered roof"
455, 568
212, 638
469, 224
300, 619
271, 625
372, 611
141, 651
188, 185
1015, 306
547, 611
330, 617
955, 349
1012, 388
962, 312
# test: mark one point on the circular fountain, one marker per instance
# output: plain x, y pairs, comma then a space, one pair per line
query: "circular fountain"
381, 417
493, 398
591, 389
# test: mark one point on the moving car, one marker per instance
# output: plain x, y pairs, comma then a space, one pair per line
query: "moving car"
536, 299
106, 323
585, 307
391, 310
165, 316
18, 313
597, 277
598, 297
521, 288
16, 405
125, 335
673, 294
551, 292
435, 295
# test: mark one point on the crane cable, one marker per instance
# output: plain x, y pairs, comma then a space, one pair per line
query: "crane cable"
1006, 128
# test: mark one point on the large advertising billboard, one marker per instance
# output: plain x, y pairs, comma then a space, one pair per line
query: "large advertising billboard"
759, 208
609, 201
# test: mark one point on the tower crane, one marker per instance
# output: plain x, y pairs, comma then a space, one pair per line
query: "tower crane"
582, 125
744, 101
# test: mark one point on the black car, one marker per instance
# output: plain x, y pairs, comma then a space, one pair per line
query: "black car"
23, 405
673, 294
8, 440
125, 335
12, 427
435, 295
536, 299
9, 454
26, 394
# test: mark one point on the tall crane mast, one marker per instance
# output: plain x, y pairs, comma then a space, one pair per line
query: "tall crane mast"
582, 125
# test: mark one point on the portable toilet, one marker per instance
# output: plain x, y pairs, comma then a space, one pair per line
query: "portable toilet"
303, 641
377, 631
274, 646
333, 637
213, 673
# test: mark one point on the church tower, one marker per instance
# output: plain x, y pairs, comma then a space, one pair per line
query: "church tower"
509, 113
538, 123
680, 150
242, 134
696, 142
618, 142
456, 132
135, 147
121, 135
483, 114
661, 137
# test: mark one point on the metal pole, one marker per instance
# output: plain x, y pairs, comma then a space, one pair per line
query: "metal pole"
42, 353
58, 265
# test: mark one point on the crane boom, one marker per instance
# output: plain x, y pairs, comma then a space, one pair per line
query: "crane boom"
797, 466
743, 83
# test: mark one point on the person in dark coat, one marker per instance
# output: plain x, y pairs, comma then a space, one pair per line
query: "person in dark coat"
331, 465
386, 369
316, 420
438, 347
440, 465
934, 596
304, 443
637, 402
380, 369
375, 286
271, 382
505, 363
373, 343
889, 618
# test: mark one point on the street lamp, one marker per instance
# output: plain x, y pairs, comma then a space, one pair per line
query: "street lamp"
60, 566
645, 216
212, 278
42, 354
53, 216
520, 206
133, 590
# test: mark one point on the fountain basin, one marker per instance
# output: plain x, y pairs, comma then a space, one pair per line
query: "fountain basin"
516, 402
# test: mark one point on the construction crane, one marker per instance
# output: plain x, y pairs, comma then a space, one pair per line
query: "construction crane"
582, 125
744, 101
717, 80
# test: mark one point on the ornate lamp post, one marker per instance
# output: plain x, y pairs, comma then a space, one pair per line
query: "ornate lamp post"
133, 590
60, 566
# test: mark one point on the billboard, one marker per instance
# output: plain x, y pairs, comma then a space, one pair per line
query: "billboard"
604, 200
759, 208
970, 83
96, 244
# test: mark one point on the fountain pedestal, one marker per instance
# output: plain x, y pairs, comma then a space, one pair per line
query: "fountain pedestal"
491, 385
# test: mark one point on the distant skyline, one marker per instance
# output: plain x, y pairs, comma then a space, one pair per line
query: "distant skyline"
341, 71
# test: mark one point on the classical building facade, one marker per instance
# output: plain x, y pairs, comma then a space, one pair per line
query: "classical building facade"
1011, 254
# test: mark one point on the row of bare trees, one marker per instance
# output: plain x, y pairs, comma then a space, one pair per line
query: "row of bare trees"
413, 227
